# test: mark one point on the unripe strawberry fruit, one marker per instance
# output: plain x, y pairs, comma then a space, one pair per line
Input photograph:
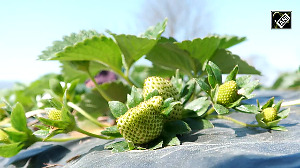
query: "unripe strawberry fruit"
166, 90
269, 114
142, 123
164, 87
227, 93
54, 114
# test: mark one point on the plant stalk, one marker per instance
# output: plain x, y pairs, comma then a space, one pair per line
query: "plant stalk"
86, 115
56, 139
102, 93
211, 110
291, 103
231, 119
91, 134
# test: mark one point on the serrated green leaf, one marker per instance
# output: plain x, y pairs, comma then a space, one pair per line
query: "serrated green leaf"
167, 102
166, 111
112, 131
232, 74
243, 80
278, 105
284, 113
154, 32
117, 108
228, 41
101, 49
269, 103
9, 150
55, 103
220, 109
152, 94
167, 54
174, 142
203, 85
187, 92
198, 123
248, 108
56, 87
15, 135
54, 132
135, 97
201, 49
279, 128
72, 39
41, 132
227, 61
80, 65
199, 105
235, 103
216, 72
116, 90
120, 146
210, 76
54, 123
18, 118
133, 47
176, 127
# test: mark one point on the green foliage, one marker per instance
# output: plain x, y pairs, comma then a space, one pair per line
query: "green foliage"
287, 81
191, 72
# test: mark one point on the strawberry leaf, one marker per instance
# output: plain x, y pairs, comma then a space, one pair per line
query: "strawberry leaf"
187, 92
220, 109
217, 74
284, 113
112, 131
58, 46
177, 127
248, 108
56, 87
203, 85
232, 74
135, 98
199, 106
279, 128
133, 47
169, 55
117, 108
197, 123
200, 49
154, 32
269, 103
18, 118
229, 41
151, 94
120, 146
227, 61
16, 135
101, 49
9, 150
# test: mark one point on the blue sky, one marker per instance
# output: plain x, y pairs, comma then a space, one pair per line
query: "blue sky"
28, 27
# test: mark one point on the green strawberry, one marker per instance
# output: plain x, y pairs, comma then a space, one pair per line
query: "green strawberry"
166, 90
227, 93
164, 87
54, 114
269, 114
142, 123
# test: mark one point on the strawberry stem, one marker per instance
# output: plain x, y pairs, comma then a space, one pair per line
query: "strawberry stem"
85, 114
57, 139
91, 134
233, 120
211, 110
102, 93
291, 103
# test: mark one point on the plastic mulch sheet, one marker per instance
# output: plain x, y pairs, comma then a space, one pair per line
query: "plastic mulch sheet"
226, 145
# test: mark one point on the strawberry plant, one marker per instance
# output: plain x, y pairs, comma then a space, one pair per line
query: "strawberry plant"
152, 105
